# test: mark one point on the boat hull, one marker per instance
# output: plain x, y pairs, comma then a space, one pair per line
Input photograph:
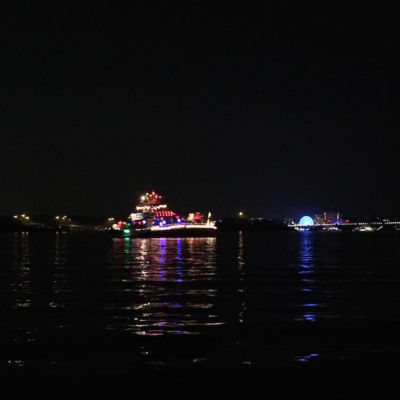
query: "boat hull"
178, 232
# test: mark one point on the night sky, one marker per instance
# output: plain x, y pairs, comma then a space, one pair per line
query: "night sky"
278, 110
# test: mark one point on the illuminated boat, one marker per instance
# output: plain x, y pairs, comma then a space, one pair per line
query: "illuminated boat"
153, 218
365, 228
331, 229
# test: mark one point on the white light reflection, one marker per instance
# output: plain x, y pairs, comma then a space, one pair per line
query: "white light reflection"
241, 265
20, 287
60, 278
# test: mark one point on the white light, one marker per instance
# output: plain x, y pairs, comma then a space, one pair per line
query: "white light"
189, 226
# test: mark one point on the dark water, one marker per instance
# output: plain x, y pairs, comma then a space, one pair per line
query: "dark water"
280, 310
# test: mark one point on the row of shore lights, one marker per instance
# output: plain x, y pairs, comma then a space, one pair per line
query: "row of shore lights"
63, 218
23, 217
27, 217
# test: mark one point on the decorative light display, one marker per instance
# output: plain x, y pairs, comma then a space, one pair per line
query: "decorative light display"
167, 213
153, 214
306, 221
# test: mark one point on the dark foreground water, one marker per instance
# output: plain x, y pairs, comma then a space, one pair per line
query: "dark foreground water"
234, 316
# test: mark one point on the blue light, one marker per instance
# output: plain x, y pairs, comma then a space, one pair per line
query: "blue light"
306, 221
160, 224
179, 220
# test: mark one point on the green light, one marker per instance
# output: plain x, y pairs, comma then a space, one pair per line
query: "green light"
127, 231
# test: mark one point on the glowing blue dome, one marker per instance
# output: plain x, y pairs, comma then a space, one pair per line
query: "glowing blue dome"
306, 221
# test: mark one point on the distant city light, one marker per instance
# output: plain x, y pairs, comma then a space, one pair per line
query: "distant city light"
22, 216
306, 221
240, 214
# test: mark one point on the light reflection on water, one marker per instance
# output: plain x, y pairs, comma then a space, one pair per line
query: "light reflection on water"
241, 267
306, 272
20, 285
60, 284
240, 299
165, 287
